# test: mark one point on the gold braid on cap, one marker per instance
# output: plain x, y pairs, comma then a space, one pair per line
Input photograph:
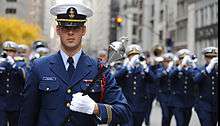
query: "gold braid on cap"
70, 20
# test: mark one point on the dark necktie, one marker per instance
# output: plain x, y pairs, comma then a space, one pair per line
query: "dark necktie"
71, 67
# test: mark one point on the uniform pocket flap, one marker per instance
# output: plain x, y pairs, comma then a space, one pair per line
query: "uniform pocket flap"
48, 86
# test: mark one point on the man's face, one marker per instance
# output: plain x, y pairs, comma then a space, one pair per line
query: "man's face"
11, 53
71, 36
208, 59
165, 63
103, 57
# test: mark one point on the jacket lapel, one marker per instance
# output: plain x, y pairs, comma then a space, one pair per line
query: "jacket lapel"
83, 68
57, 66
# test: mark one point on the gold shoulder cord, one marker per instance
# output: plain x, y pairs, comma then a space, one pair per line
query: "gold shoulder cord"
24, 73
109, 113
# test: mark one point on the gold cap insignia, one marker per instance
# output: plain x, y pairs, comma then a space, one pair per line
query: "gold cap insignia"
71, 12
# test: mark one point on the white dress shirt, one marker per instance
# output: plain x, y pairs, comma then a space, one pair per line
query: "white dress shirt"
75, 58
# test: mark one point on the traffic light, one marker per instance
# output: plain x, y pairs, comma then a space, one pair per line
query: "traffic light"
118, 21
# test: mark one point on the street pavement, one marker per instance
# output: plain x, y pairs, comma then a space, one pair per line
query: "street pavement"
156, 117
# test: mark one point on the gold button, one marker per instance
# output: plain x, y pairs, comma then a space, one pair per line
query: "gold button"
134, 93
69, 91
68, 105
47, 89
68, 120
135, 88
135, 82
7, 80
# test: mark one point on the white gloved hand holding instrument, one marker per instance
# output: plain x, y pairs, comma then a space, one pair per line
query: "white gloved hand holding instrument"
212, 64
170, 65
135, 60
127, 64
83, 104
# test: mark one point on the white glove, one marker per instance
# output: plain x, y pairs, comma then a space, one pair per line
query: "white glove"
83, 104
159, 59
194, 63
170, 65
134, 60
145, 66
10, 60
211, 65
127, 64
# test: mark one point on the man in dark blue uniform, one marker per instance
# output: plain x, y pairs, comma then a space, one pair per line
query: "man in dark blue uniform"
132, 77
206, 105
164, 87
22, 58
151, 89
62, 89
40, 49
12, 83
183, 87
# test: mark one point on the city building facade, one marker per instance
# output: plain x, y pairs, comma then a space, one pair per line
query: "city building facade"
132, 12
31, 11
97, 37
149, 22
206, 25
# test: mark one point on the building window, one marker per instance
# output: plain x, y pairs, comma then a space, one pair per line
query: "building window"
161, 15
141, 3
135, 30
206, 16
212, 13
202, 17
161, 35
182, 31
216, 12
135, 18
152, 24
182, 7
11, 0
152, 11
10, 11
141, 19
134, 41
140, 34
134, 3
197, 19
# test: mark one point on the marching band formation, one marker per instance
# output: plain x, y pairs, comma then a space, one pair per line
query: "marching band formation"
69, 88
174, 80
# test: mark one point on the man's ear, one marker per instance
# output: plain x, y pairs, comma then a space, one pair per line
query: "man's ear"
84, 30
58, 30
